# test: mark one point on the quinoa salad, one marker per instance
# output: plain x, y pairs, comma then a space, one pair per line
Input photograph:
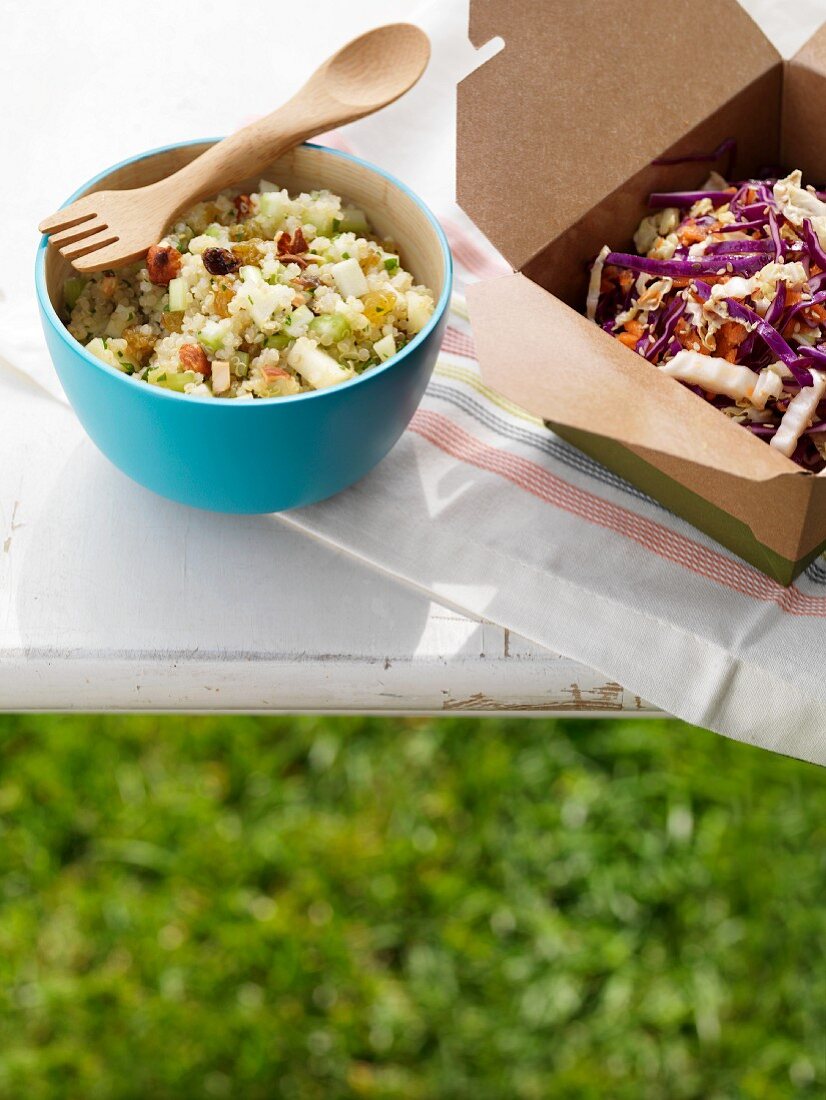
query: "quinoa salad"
727, 294
253, 296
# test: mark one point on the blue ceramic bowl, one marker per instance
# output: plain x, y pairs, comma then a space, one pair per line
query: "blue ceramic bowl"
261, 455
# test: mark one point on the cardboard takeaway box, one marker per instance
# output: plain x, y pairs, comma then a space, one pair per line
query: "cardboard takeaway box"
557, 138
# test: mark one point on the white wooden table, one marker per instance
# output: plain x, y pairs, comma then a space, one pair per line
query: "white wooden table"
112, 598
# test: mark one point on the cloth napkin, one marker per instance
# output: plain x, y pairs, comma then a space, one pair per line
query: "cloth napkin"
481, 506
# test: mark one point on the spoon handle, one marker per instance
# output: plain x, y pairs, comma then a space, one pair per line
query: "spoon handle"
248, 151
343, 89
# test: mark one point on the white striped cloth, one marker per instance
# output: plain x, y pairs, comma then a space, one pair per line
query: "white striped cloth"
483, 507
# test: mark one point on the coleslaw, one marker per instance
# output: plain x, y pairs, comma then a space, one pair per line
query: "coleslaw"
726, 293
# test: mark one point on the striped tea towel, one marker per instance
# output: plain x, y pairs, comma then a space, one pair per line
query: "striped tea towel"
483, 507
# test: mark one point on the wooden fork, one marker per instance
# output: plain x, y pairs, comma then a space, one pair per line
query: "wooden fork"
107, 229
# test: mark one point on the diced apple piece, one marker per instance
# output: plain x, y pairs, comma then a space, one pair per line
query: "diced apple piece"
350, 278
353, 220
419, 309
220, 376
315, 366
213, 333
385, 347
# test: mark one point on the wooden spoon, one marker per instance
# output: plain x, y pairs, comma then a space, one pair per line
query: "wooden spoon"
107, 229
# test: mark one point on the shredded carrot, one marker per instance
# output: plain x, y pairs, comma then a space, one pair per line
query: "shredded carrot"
687, 280
626, 280
692, 234
635, 328
734, 333
628, 339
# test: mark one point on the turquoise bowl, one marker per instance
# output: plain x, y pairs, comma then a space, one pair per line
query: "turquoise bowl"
261, 455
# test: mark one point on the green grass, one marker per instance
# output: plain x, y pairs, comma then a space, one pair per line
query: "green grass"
484, 909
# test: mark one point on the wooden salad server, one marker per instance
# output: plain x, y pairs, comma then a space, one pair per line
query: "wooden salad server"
106, 229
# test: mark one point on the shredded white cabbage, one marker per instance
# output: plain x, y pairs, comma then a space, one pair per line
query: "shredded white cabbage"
656, 225
715, 182
799, 414
762, 287
595, 283
711, 373
769, 385
799, 204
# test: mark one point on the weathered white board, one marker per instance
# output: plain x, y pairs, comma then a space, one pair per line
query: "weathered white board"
112, 598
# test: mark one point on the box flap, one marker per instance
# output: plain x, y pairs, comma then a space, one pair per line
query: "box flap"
573, 375
584, 95
812, 54
804, 91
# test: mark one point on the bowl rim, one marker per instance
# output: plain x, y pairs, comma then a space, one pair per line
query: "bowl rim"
158, 392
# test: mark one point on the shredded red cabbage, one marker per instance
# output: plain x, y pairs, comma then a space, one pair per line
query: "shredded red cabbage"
681, 199
813, 245
742, 227
785, 352
727, 146
729, 248
678, 269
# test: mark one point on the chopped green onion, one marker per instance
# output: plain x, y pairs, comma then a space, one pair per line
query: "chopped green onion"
391, 263
213, 230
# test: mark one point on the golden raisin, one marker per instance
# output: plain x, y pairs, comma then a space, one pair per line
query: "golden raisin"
163, 262
221, 297
247, 252
173, 320
139, 345
377, 304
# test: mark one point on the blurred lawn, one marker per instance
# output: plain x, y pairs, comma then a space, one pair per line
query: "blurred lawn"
315, 908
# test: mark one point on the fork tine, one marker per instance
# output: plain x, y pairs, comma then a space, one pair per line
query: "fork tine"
67, 217
104, 236
106, 257
76, 233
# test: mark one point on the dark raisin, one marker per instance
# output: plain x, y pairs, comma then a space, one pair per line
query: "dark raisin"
219, 261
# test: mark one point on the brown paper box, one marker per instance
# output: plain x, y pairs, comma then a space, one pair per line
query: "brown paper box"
557, 135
